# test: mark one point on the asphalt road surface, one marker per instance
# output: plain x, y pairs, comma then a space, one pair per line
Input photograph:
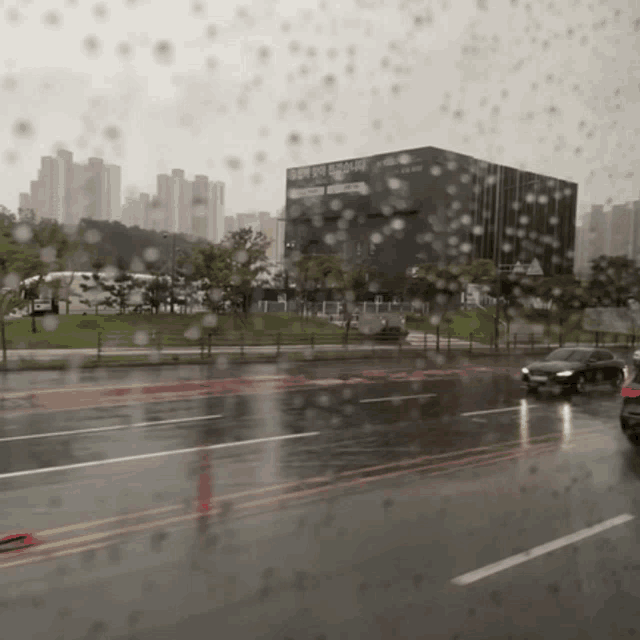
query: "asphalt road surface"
347, 504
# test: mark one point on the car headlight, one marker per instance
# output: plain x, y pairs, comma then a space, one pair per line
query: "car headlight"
525, 370
564, 374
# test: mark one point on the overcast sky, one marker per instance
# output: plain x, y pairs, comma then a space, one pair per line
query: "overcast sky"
243, 90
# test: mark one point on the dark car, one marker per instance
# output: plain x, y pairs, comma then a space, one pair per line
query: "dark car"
575, 368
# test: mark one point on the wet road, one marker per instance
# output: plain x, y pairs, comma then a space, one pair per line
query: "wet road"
494, 473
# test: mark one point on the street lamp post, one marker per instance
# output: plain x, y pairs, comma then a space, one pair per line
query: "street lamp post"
173, 268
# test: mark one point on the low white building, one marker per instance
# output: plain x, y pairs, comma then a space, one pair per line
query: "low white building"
73, 281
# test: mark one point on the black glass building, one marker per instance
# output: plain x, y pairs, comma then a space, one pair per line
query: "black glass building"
397, 210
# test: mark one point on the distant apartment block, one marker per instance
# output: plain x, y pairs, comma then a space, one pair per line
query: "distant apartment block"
194, 208
67, 191
614, 231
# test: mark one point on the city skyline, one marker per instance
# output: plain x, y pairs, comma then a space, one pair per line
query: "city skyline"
67, 191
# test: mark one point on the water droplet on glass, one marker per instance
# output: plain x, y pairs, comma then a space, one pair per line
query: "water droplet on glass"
11, 281
210, 320
193, 333
241, 256
141, 338
151, 254
23, 129
50, 322
22, 233
48, 254
163, 52
92, 45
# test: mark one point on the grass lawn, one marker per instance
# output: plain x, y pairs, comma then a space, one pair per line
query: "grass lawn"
481, 322
174, 330
461, 325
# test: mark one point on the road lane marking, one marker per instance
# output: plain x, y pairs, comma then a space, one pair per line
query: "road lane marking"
113, 535
117, 427
391, 398
147, 456
594, 432
479, 413
536, 552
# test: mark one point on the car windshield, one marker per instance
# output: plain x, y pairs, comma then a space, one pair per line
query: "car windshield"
567, 355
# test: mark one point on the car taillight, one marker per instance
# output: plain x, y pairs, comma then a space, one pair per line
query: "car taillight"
626, 392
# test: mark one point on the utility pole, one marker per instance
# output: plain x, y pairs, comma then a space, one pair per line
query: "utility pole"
496, 250
173, 267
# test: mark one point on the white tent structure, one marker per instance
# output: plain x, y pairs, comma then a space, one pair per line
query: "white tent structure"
73, 280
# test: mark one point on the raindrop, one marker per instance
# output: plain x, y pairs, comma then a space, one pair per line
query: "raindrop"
330, 80
100, 12
294, 138
124, 49
22, 233
193, 333
151, 254
9, 83
234, 163
48, 254
11, 281
23, 129
92, 45
13, 15
141, 338
210, 320
112, 132
241, 256
92, 236
163, 52
52, 18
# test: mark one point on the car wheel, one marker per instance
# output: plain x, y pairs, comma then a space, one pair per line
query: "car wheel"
580, 384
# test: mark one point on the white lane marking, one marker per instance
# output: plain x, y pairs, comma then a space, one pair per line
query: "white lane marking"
479, 413
391, 398
507, 563
147, 456
116, 427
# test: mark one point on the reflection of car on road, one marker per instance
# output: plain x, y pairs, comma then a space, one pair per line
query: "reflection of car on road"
17, 542
574, 368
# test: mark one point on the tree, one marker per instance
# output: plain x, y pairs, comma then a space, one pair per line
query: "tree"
212, 267
613, 281
156, 293
92, 286
249, 267
119, 290
18, 261
311, 272
27, 216
438, 282
186, 280
512, 293
564, 294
